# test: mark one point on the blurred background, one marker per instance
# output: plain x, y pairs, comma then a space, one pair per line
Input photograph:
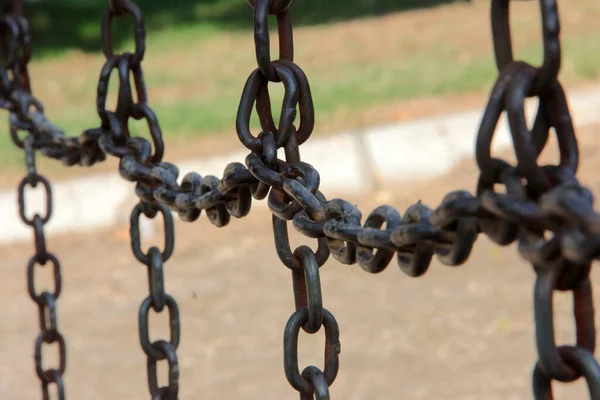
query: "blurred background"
456, 333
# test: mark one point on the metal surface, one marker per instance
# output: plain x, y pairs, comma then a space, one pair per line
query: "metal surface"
543, 208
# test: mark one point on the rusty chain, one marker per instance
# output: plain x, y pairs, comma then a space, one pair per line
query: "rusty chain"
542, 208
16, 54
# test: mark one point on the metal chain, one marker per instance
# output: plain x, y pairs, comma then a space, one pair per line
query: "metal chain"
45, 299
310, 314
157, 300
552, 201
26, 111
538, 202
15, 47
137, 154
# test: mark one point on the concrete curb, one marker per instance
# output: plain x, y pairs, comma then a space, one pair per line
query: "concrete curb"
418, 149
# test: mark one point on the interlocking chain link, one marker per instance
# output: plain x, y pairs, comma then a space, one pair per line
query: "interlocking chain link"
138, 156
542, 208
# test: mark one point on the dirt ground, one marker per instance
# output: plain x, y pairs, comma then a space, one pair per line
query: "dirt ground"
456, 333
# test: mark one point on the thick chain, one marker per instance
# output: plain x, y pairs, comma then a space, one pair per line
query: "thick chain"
310, 315
538, 202
116, 140
552, 201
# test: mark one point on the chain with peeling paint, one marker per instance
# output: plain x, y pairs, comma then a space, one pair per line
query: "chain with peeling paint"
543, 208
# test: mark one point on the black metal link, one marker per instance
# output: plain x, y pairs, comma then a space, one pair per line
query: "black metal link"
167, 352
550, 36
144, 327
47, 308
307, 289
119, 9
550, 360
49, 337
33, 181
319, 383
290, 348
136, 241
250, 96
580, 360
262, 40
55, 380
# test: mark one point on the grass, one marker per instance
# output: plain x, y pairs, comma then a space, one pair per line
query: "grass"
362, 71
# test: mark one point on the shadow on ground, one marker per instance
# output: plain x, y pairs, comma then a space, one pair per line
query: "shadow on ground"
75, 24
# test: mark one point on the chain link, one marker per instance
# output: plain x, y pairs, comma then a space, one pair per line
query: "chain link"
544, 209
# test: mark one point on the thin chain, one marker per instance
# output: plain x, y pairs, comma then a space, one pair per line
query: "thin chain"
14, 84
542, 208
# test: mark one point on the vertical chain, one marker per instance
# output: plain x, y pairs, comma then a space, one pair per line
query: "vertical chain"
289, 196
46, 299
16, 49
158, 299
547, 185
139, 157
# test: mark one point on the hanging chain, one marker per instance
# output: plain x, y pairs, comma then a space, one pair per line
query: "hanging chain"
45, 300
310, 315
16, 52
137, 156
543, 208
157, 300
551, 203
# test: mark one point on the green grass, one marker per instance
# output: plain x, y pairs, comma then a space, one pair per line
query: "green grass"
195, 71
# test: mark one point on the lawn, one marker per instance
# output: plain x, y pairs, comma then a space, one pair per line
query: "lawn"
365, 59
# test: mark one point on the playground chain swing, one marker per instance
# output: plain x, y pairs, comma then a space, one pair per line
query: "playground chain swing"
543, 208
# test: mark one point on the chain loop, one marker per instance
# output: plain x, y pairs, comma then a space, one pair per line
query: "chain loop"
136, 241
33, 180
167, 352
577, 359
290, 346
503, 49
550, 359
119, 8
307, 289
262, 40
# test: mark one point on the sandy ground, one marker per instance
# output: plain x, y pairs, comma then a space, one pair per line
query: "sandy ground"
456, 333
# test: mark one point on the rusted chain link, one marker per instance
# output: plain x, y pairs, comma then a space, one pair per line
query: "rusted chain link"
542, 208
